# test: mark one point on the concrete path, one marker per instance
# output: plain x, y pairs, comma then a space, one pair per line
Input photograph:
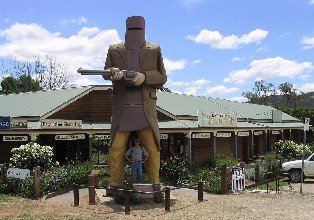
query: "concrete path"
67, 197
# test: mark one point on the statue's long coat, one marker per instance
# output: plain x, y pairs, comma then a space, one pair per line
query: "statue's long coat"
151, 64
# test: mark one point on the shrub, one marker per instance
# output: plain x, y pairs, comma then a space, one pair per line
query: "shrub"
103, 178
19, 187
220, 160
176, 171
32, 155
60, 178
291, 149
52, 180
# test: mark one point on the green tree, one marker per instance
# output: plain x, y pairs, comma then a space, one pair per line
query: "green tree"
24, 83
9, 85
261, 94
290, 96
285, 95
45, 69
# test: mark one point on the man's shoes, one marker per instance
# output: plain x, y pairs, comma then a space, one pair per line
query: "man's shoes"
156, 187
111, 191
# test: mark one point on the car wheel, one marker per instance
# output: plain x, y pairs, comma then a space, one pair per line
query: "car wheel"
295, 175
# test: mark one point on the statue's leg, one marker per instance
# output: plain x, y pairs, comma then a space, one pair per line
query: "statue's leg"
117, 159
152, 164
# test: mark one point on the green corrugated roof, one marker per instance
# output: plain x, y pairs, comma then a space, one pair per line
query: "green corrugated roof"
43, 103
248, 110
34, 104
183, 105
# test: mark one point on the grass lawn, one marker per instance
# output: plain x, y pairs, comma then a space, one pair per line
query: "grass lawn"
4, 198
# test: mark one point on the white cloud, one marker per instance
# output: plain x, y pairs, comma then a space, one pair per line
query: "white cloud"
237, 59
305, 76
190, 3
307, 87
216, 40
262, 49
172, 65
196, 61
191, 90
308, 41
284, 35
88, 32
79, 20
200, 82
268, 68
86, 49
238, 99
220, 90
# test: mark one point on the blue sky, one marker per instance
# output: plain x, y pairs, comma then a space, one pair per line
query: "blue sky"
214, 48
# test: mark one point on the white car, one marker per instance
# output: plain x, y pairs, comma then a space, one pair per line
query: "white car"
294, 168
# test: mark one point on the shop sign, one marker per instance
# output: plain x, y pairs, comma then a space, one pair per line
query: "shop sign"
275, 132
201, 135
243, 133
15, 138
258, 132
101, 136
163, 136
206, 119
5, 122
223, 135
306, 124
61, 124
15, 123
18, 173
69, 137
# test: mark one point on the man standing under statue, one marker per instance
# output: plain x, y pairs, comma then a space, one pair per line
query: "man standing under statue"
134, 103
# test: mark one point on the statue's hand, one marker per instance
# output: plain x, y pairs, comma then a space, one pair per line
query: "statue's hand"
139, 79
116, 74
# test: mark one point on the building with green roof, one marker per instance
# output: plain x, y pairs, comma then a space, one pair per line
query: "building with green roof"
197, 127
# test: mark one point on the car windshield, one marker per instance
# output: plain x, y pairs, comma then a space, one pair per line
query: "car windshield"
311, 158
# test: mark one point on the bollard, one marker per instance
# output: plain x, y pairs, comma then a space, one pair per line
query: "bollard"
200, 191
167, 199
257, 173
223, 183
36, 178
91, 189
127, 201
2, 174
76, 195
92, 195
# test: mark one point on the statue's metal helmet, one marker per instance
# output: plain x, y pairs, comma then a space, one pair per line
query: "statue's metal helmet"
135, 32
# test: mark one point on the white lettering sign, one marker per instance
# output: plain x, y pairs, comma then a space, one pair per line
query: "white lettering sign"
18, 173
163, 136
15, 138
243, 133
101, 136
61, 124
258, 132
216, 120
201, 135
275, 132
18, 123
69, 137
306, 124
224, 135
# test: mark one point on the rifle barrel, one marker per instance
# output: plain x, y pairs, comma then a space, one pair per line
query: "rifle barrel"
94, 72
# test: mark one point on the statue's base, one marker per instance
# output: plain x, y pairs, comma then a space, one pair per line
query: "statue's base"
142, 187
